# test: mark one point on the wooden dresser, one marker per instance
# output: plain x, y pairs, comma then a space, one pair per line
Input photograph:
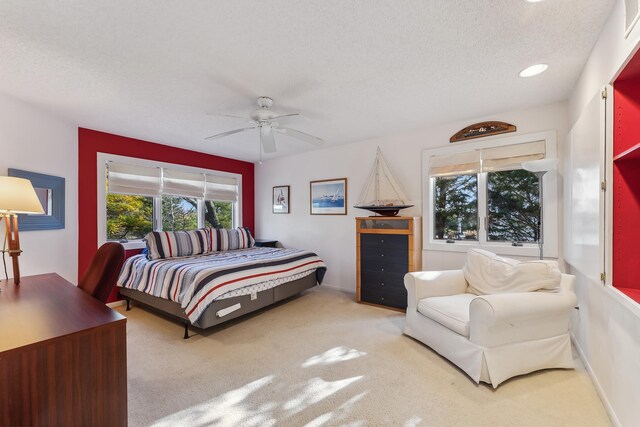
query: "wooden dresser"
386, 249
63, 356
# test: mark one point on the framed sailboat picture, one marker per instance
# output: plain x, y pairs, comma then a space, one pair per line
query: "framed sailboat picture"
281, 199
328, 197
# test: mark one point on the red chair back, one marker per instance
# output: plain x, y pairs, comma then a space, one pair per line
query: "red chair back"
102, 274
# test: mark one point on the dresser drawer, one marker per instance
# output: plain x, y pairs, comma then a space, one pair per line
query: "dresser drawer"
390, 298
400, 241
385, 253
392, 285
383, 265
382, 279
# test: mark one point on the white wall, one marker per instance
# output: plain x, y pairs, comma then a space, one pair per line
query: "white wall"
607, 327
333, 237
32, 140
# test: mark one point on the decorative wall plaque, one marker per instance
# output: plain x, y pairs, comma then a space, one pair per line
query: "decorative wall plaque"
478, 130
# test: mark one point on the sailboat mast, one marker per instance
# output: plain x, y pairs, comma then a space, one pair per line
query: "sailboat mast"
377, 169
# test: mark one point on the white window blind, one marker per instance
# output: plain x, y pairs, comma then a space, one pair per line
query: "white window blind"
133, 179
150, 181
510, 157
506, 157
466, 163
221, 188
187, 184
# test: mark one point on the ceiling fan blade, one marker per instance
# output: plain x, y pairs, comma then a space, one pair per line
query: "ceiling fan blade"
286, 115
231, 132
227, 115
266, 137
302, 136
235, 117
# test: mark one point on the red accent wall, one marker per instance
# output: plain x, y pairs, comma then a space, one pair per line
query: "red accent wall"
91, 142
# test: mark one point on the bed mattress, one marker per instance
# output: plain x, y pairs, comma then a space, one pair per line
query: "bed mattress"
195, 282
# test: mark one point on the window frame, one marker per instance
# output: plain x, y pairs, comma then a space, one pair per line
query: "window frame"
103, 158
549, 195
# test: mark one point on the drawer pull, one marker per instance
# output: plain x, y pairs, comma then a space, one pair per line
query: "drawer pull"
382, 284
381, 254
382, 299
381, 240
382, 269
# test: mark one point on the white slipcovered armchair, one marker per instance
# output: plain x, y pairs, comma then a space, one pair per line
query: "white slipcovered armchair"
495, 328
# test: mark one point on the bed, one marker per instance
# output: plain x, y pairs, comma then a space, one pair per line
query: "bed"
208, 289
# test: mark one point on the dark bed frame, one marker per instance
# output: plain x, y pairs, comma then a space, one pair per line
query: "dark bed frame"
209, 317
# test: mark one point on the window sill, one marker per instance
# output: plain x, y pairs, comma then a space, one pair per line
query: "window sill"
527, 250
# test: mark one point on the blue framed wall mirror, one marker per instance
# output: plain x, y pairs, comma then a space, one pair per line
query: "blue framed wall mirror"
50, 192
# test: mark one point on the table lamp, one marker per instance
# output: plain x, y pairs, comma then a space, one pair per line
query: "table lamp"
539, 168
16, 196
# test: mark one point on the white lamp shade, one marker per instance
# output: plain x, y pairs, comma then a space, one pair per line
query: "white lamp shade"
542, 165
18, 196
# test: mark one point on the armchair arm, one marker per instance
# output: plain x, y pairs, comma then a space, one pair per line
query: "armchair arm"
505, 318
500, 308
423, 284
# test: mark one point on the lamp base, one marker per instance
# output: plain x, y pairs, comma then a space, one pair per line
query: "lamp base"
13, 241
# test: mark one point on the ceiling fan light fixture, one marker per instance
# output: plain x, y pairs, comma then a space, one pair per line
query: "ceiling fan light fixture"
534, 70
264, 120
265, 102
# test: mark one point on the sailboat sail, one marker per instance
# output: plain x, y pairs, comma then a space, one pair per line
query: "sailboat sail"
382, 189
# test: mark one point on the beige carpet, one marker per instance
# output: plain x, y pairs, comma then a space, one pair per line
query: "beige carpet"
321, 359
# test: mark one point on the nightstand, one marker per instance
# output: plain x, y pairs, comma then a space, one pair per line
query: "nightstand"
265, 243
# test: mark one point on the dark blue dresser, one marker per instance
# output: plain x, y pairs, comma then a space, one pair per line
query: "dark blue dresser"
386, 249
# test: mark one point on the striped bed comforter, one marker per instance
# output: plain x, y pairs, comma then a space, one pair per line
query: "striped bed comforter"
195, 282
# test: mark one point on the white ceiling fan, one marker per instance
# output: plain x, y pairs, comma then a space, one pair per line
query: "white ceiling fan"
266, 121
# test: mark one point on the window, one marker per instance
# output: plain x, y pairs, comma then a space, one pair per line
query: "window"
179, 213
128, 217
141, 196
483, 197
513, 206
218, 214
456, 207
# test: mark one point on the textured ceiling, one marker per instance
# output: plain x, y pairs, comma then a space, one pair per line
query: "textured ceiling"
158, 70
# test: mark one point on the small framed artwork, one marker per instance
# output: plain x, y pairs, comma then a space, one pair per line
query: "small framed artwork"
281, 199
328, 197
50, 192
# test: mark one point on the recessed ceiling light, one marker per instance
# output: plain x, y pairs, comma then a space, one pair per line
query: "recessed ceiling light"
533, 1
534, 70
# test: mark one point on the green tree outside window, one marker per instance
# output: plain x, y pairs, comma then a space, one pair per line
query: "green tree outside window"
128, 217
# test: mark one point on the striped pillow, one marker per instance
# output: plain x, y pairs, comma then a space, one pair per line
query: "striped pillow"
171, 244
224, 239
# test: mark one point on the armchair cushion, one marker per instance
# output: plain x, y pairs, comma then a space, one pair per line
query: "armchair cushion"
450, 311
488, 273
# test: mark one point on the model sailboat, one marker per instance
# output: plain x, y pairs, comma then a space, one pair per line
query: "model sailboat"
382, 194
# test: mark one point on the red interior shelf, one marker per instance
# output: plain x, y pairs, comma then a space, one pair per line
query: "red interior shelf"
632, 153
